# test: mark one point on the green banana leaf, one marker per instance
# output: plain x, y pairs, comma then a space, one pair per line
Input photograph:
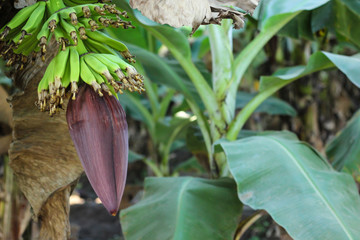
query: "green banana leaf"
134, 157
165, 71
280, 8
183, 208
272, 105
296, 186
349, 65
347, 14
337, 16
344, 150
299, 27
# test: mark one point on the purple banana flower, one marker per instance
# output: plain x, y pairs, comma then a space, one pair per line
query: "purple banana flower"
99, 131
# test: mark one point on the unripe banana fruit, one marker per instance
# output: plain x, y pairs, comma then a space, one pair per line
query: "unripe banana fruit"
85, 55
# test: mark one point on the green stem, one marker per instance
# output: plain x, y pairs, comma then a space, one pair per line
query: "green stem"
151, 42
246, 112
154, 103
201, 119
222, 56
153, 167
150, 92
164, 105
166, 152
245, 58
206, 94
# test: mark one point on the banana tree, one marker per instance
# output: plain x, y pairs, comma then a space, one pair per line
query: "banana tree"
274, 171
59, 53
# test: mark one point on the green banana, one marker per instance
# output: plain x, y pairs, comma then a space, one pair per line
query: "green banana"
89, 78
104, 38
19, 19
69, 14
52, 21
98, 66
133, 77
43, 37
102, 21
35, 19
43, 87
111, 42
54, 5
60, 65
74, 71
89, 24
98, 47
101, 81
70, 30
69, 3
66, 79
115, 69
60, 38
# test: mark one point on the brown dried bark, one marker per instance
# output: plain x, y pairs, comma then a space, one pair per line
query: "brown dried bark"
42, 155
5, 122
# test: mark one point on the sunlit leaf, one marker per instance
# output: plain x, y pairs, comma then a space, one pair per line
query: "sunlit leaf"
184, 208
344, 149
296, 186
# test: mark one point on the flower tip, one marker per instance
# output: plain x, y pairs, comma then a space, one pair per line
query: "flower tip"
113, 213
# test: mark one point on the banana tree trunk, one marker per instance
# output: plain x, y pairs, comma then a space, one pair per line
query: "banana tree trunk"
42, 155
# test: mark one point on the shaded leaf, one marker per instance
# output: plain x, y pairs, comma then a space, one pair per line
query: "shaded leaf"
318, 61
133, 156
347, 13
190, 165
296, 186
171, 209
272, 105
344, 149
272, 11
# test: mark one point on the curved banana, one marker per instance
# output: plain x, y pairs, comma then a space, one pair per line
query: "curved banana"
54, 5
133, 77
69, 14
35, 20
104, 38
98, 66
43, 87
19, 19
89, 78
116, 69
74, 71
61, 60
111, 42
66, 79
89, 24
70, 30
97, 47
60, 38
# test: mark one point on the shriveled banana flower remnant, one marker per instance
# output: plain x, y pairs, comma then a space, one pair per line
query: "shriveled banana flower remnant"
89, 60
178, 13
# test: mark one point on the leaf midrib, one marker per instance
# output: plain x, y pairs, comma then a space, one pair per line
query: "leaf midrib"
178, 229
312, 183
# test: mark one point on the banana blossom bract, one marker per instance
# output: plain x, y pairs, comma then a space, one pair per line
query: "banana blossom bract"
99, 131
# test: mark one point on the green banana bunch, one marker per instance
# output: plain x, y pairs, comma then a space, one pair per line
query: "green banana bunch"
85, 55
